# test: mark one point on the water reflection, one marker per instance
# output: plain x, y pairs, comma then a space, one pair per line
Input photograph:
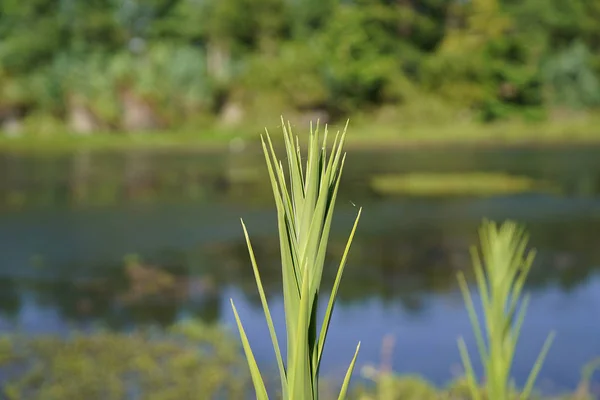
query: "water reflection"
125, 240
401, 265
86, 179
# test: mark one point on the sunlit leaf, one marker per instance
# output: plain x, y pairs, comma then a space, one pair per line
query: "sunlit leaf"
259, 385
305, 206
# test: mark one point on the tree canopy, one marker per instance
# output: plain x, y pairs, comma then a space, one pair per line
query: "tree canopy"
183, 60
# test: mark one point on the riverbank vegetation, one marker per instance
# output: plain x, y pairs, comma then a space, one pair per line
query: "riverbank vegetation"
368, 137
189, 359
385, 134
215, 66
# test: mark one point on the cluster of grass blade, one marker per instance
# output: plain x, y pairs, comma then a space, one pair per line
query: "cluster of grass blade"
304, 215
500, 281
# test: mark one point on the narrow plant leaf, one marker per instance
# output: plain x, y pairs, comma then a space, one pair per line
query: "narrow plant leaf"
259, 385
324, 145
469, 374
482, 284
263, 300
520, 281
299, 362
472, 316
336, 285
318, 233
293, 248
518, 323
513, 334
294, 167
276, 177
291, 286
299, 154
311, 192
346, 382
537, 366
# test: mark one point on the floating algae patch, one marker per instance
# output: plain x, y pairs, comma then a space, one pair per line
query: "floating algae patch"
444, 184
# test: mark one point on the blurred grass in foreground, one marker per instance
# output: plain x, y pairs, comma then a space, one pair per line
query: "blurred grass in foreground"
198, 362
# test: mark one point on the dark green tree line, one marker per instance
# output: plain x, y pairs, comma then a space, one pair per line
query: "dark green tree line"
133, 64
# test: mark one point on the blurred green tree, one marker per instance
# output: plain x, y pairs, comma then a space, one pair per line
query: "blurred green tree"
498, 58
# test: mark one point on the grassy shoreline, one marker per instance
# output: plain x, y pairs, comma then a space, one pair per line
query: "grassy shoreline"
367, 136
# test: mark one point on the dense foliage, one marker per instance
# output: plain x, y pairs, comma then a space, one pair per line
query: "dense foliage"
114, 366
132, 65
198, 361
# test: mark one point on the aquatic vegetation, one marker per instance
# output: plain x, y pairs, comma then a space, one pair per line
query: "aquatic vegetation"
389, 386
444, 184
501, 273
384, 384
304, 219
196, 359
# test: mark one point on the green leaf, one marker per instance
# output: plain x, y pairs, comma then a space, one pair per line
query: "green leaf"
537, 366
346, 382
263, 300
304, 214
472, 316
470, 375
259, 385
336, 285
299, 375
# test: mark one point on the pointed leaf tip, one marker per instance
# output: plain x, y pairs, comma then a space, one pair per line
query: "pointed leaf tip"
346, 383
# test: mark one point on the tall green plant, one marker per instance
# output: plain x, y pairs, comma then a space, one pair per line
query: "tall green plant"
304, 214
500, 281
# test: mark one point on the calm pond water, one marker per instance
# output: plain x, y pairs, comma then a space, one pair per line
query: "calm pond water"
70, 224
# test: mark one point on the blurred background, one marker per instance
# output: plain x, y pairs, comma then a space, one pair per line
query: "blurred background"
137, 65
129, 149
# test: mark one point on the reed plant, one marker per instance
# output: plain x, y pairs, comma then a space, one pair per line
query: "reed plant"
500, 273
305, 206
